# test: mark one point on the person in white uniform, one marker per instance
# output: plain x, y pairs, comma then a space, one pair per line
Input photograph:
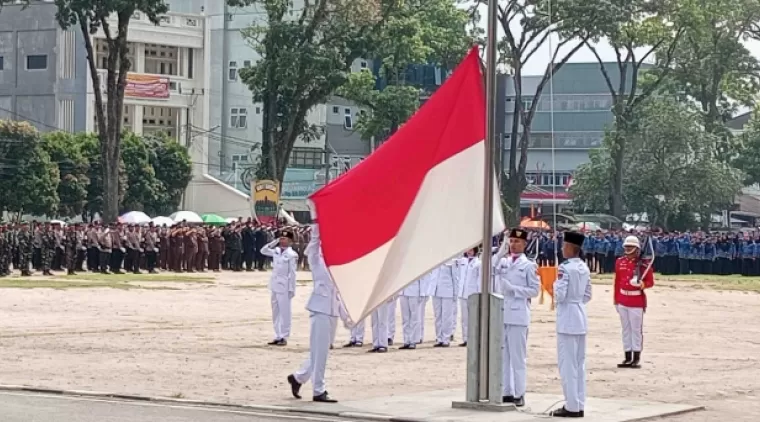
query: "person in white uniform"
410, 315
518, 283
324, 309
572, 291
380, 337
282, 284
426, 287
444, 302
357, 331
469, 284
391, 312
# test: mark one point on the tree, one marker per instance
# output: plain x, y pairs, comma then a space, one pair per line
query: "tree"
305, 57
65, 150
91, 16
422, 32
711, 65
527, 25
747, 158
28, 177
143, 188
637, 30
670, 168
90, 146
173, 169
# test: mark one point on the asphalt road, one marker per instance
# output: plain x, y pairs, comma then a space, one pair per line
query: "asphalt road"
23, 407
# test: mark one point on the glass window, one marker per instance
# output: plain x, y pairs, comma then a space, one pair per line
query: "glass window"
36, 62
233, 71
239, 118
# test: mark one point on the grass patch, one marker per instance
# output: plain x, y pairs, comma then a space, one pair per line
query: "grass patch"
25, 283
126, 278
698, 281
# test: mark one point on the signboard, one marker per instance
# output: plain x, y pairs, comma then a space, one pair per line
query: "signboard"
266, 200
300, 183
146, 86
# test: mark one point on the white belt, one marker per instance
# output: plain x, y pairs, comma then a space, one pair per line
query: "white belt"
630, 292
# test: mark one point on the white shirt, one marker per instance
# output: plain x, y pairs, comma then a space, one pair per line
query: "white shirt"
284, 264
412, 290
324, 297
518, 282
572, 291
469, 277
444, 280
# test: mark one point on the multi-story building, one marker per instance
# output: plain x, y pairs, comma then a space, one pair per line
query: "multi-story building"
571, 118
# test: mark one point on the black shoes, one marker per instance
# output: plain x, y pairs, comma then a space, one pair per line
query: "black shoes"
408, 347
631, 360
441, 345
278, 342
517, 401
564, 413
378, 350
353, 344
463, 344
295, 386
324, 398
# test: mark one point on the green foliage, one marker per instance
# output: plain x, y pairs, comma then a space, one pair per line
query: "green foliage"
73, 167
90, 147
28, 177
173, 169
142, 185
670, 168
747, 157
94, 12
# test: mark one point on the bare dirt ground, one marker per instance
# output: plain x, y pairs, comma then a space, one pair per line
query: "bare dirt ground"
206, 340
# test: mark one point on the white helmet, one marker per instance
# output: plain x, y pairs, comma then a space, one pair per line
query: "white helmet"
632, 241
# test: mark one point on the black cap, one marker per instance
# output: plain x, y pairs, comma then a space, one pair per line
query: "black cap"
287, 234
518, 234
575, 238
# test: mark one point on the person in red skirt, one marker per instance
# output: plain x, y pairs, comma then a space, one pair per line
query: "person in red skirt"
633, 276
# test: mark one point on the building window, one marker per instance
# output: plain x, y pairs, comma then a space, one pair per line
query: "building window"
348, 121
247, 63
258, 110
363, 64
190, 63
2, 63
547, 179
239, 161
233, 71
239, 118
336, 110
36, 62
306, 158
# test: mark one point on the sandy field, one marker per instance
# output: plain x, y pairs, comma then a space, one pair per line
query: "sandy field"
208, 341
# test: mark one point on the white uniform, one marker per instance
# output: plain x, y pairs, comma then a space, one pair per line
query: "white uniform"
391, 313
410, 313
444, 286
357, 331
572, 291
380, 318
518, 284
469, 284
282, 286
324, 309
426, 290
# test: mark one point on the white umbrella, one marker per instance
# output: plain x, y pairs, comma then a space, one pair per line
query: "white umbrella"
231, 220
163, 221
135, 217
587, 226
186, 216
59, 222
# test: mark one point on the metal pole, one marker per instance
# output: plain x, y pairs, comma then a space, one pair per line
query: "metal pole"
485, 282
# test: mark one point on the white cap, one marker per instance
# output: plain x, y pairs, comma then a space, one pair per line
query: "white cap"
632, 241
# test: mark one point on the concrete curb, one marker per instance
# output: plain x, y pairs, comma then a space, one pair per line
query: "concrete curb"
249, 407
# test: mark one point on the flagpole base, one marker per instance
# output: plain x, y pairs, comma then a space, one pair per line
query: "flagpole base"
493, 402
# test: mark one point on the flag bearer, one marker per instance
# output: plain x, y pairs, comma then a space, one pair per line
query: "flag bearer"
572, 291
518, 283
324, 309
410, 315
631, 278
469, 284
282, 285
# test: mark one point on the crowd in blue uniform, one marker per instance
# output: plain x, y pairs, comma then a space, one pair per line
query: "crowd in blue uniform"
676, 253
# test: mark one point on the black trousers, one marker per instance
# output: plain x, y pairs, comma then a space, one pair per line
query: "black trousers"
93, 256
36, 258
248, 256
150, 260
683, 266
79, 261
105, 258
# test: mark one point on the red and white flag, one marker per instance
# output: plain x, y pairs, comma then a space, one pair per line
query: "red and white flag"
413, 204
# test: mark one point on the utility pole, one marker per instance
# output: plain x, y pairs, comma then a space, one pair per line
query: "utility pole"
328, 164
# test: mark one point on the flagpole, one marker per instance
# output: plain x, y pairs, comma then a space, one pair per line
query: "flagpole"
485, 282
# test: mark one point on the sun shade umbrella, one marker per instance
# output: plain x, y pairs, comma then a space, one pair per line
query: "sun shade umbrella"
214, 220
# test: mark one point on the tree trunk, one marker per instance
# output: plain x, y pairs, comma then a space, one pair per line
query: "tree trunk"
618, 154
511, 191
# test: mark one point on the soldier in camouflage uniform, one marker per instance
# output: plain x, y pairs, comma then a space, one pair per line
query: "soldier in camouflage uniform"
48, 249
70, 244
24, 239
4, 261
10, 249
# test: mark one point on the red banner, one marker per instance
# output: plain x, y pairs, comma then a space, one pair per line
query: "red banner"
146, 86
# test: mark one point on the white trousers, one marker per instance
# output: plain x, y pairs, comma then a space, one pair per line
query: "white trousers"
281, 315
423, 305
571, 356
515, 362
334, 328
410, 319
319, 346
392, 319
463, 312
444, 308
357, 333
632, 320
380, 325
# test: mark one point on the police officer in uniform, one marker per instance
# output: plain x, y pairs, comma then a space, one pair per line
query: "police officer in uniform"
572, 291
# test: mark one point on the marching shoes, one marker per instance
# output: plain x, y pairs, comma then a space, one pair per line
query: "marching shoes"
635, 363
295, 386
564, 413
628, 360
324, 398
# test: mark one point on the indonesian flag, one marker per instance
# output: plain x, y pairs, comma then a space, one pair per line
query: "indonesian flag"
413, 204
